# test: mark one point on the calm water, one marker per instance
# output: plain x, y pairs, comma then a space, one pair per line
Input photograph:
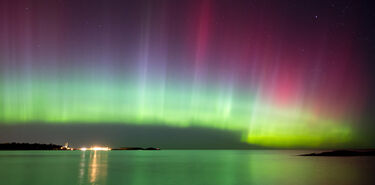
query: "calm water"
180, 167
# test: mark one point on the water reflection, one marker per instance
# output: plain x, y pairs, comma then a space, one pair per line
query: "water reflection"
184, 167
82, 168
93, 167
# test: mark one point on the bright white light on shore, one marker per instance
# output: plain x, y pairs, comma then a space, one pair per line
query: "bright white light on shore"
96, 148
100, 148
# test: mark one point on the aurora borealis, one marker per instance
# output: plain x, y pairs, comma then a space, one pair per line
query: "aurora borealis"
285, 74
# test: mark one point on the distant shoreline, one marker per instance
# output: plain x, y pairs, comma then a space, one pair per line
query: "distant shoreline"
39, 146
30, 146
343, 153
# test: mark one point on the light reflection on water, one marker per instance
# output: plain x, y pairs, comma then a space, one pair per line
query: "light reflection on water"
181, 167
82, 168
93, 169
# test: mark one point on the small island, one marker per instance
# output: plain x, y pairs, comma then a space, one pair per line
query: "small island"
136, 148
343, 153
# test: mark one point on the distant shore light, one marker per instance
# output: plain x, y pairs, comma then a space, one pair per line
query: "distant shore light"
95, 148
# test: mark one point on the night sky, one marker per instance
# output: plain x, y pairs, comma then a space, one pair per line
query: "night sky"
188, 73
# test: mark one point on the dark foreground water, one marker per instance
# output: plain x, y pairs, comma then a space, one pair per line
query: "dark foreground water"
180, 167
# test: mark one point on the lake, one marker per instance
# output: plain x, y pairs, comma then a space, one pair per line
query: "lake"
181, 167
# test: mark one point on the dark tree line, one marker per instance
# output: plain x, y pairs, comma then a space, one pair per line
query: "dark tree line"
29, 146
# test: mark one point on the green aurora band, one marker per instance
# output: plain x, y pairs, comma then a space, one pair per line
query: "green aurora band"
100, 102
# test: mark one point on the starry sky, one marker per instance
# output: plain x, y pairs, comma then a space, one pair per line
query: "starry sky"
188, 73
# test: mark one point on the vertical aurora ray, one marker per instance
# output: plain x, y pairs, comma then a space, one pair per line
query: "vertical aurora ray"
193, 63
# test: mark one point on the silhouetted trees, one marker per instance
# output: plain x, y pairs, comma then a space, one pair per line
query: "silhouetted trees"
29, 146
